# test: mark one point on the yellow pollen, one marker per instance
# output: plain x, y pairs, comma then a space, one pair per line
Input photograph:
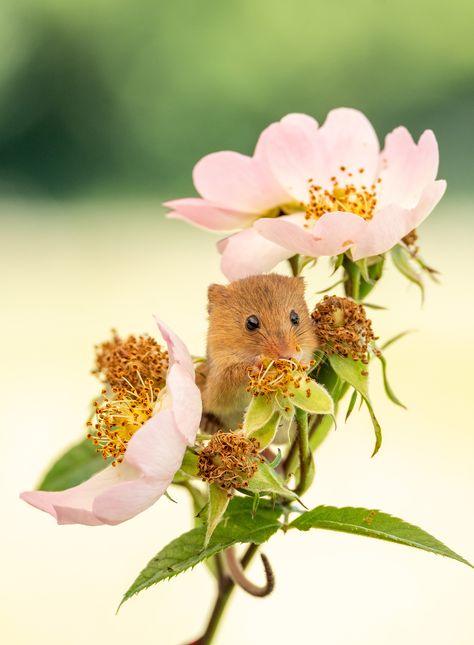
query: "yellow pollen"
118, 418
346, 197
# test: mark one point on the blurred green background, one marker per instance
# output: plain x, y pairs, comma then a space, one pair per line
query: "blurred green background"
104, 97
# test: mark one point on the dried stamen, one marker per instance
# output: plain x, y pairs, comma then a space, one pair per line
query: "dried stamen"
343, 328
132, 362
276, 376
229, 460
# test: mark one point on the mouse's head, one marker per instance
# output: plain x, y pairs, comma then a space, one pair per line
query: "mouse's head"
263, 315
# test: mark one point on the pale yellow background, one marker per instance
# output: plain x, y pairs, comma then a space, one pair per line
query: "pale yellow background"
65, 282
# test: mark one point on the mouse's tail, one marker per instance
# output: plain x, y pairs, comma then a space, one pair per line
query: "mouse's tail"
237, 574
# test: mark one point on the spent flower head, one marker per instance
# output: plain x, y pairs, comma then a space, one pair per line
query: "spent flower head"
276, 376
230, 460
131, 361
343, 328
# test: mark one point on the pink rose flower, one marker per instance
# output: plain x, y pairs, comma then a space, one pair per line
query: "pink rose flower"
314, 191
152, 457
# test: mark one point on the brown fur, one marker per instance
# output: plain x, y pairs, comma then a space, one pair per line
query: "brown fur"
232, 349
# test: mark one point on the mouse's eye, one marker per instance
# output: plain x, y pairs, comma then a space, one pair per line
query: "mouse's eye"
252, 323
294, 318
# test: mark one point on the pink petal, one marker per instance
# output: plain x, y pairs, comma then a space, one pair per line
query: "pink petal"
157, 448
156, 451
330, 235
207, 215
75, 505
290, 148
153, 456
237, 182
186, 402
392, 223
406, 167
177, 350
350, 140
248, 253
124, 501
429, 199
381, 233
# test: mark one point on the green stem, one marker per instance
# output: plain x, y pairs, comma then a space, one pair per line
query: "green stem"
304, 451
226, 588
352, 279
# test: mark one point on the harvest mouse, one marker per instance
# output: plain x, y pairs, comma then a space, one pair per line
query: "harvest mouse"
255, 317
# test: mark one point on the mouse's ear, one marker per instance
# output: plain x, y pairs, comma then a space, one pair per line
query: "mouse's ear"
215, 294
299, 284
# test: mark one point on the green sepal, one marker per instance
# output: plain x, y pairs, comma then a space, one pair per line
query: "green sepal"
311, 397
190, 463
351, 371
259, 411
374, 524
266, 433
218, 502
396, 338
352, 403
364, 270
266, 480
388, 389
401, 260
283, 404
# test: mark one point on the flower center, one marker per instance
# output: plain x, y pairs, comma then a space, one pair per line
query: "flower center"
119, 417
275, 376
134, 372
347, 197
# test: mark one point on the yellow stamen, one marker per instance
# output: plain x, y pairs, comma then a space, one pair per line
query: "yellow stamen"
347, 197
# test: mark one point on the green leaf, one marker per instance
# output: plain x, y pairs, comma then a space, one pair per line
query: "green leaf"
372, 523
311, 397
266, 433
73, 467
351, 371
401, 260
266, 480
258, 413
388, 389
218, 503
188, 550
